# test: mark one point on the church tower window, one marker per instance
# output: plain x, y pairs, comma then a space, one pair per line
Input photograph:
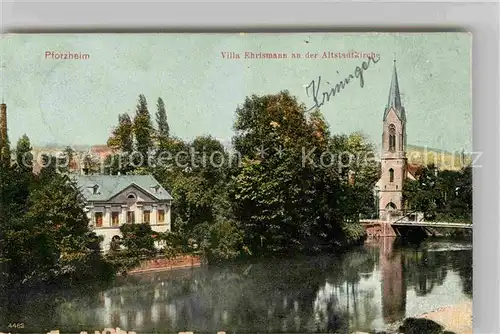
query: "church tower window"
391, 175
392, 137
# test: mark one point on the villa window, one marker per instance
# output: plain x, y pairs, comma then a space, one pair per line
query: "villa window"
146, 216
391, 175
392, 137
130, 217
115, 218
98, 219
161, 216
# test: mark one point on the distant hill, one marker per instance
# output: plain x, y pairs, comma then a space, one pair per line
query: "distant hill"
442, 159
418, 155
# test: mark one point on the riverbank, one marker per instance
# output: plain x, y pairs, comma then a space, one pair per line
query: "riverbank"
455, 318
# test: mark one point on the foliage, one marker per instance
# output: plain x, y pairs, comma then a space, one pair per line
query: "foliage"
24, 157
443, 194
47, 239
120, 163
143, 132
121, 138
163, 131
227, 241
290, 194
136, 244
90, 164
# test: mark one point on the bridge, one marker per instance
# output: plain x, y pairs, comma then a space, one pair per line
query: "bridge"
404, 226
432, 224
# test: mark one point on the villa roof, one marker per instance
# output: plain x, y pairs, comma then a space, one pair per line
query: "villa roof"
109, 186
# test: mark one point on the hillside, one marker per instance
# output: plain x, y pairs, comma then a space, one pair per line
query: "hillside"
442, 159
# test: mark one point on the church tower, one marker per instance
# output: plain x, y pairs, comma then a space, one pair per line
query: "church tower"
393, 162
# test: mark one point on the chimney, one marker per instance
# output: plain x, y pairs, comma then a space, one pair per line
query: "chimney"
4, 139
3, 123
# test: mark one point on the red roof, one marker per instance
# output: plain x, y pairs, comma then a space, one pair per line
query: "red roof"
102, 150
413, 169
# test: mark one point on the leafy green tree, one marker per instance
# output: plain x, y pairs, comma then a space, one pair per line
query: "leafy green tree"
90, 164
422, 195
121, 138
138, 239
209, 160
136, 244
288, 194
120, 163
143, 132
445, 194
69, 154
161, 120
24, 157
51, 241
226, 241
359, 169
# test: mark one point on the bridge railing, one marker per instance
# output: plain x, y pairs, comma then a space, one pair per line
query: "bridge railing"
406, 215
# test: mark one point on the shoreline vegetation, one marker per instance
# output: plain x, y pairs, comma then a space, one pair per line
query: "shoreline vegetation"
268, 205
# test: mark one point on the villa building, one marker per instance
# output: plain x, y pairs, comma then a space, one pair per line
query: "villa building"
113, 200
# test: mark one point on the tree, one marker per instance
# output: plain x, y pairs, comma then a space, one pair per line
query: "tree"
445, 194
51, 241
288, 195
143, 132
161, 120
422, 194
120, 163
69, 154
24, 157
121, 138
359, 169
90, 164
136, 244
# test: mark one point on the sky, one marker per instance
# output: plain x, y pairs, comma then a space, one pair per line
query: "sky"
73, 102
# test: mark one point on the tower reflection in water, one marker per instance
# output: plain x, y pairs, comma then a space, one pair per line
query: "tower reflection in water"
392, 280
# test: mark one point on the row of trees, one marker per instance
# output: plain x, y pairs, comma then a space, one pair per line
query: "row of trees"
286, 187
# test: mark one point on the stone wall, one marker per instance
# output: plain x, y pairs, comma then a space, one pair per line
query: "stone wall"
184, 261
378, 229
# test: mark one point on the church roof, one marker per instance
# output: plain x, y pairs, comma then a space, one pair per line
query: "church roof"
394, 101
413, 169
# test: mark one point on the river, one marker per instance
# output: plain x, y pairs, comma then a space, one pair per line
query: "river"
362, 290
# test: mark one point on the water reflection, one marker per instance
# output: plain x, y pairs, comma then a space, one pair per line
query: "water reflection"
360, 290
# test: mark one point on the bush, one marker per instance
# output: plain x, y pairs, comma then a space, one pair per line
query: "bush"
226, 241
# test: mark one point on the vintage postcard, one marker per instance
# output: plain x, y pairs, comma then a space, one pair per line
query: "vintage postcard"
236, 183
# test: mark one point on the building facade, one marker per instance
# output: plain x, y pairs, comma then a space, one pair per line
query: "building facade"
394, 163
113, 200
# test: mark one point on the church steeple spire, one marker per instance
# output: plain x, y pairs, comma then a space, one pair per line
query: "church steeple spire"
394, 97
394, 100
